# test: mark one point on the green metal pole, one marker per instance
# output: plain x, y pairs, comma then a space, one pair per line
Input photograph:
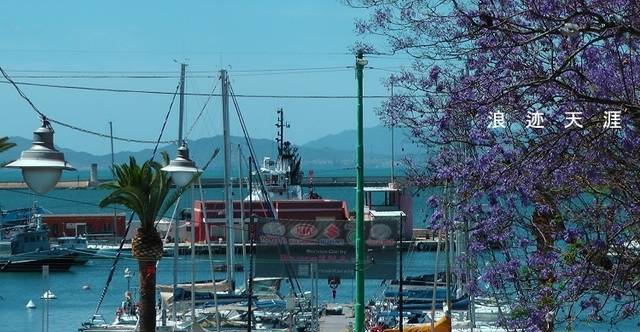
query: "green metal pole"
359, 300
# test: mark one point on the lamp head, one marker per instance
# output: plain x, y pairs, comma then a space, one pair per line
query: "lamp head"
41, 164
182, 169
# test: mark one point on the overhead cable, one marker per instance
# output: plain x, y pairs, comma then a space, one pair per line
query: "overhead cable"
133, 213
288, 268
201, 110
242, 73
156, 92
152, 73
70, 126
164, 123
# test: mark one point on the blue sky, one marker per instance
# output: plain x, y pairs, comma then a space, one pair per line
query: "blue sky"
145, 37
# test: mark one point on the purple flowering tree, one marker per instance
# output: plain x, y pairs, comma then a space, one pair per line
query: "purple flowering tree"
529, 112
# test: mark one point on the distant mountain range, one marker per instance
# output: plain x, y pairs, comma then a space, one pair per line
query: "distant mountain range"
331, 152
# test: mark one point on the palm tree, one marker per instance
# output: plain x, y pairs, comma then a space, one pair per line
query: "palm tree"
145, 190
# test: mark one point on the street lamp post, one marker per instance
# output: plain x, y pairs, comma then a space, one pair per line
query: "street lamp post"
182, 170
41, 167
359, 300
41, 164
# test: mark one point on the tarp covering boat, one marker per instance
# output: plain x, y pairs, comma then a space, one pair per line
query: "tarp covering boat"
441, 325
263, 288
200, 286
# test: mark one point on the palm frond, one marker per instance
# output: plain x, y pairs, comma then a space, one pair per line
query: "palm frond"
5, 144
165, 158
141, 188
144, 188
173, 197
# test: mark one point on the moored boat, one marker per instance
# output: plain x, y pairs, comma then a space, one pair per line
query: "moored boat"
76, 245
19, 216
26, 249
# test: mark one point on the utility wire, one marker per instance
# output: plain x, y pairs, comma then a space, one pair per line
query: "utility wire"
118, 253
156, 92
288, 268
291, 73
83, 73
201, 111
286, 69
121, 209
241, 73
164, 124
113, 266
45, 71
95, 133
41, 114
151, 75
68, 200
6, 76
106, 76
124, 210
169, 52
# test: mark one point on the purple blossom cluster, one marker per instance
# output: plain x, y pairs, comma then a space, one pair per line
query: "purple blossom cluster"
552, 213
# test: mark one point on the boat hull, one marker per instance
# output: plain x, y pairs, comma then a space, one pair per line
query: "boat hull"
82, 256
57, 261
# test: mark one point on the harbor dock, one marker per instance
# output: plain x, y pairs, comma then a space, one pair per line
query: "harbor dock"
338, 323
79, 184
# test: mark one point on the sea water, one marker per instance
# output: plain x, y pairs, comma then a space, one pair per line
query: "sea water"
75, 303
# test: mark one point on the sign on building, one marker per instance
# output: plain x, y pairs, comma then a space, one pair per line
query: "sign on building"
293, 246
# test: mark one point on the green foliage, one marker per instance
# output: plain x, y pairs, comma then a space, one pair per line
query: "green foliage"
5, 144
570, 255
145, 189
518, 312
524, 272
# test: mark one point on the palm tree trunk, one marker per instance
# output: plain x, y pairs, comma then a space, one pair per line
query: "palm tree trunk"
147, 308
146, 246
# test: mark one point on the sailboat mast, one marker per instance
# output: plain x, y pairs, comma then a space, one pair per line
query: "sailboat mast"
115, 232
393, 152
183, 66
242, 228
251, 250
280, 126
400, 275
176, 231
447, 251
228, 207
